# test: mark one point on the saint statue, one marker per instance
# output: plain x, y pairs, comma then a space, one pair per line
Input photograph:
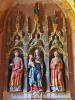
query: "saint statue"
31, 77
18, 42
39, 69
56, 42
36, 72
56, 76
16, 72
36, 41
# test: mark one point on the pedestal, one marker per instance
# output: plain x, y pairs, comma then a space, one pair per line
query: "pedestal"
36, 96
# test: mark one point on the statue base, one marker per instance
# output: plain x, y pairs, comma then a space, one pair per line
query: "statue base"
36, 95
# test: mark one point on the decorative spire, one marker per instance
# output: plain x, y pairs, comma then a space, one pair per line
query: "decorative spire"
18, 22
45, 25
53, 19
25, 27
55, 27
54, 22
36, 12
36, 9
64, 25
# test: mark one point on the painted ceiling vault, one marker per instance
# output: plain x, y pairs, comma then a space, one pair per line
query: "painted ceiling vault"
67, 6
5, 4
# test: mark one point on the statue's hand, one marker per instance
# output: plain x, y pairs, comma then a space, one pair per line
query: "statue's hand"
56, 65
37, 61
19, 70
42, 72
11, 64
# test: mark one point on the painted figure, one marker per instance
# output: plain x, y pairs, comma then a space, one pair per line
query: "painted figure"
18, 42
56, 67
17, 72
39, 69
32, 83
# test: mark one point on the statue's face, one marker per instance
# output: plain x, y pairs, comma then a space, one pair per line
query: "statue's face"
17, 37
16, 53
36, 52
30, 56
55, 53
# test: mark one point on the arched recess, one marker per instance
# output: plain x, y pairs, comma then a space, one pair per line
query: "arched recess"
11, 56
43, 66
64, 6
